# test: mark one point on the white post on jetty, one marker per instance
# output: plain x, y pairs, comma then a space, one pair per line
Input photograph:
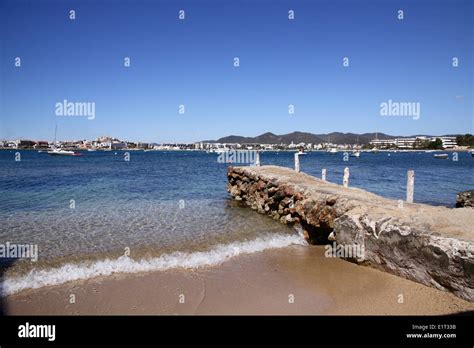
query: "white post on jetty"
297, 162
257, 158
345, 180
410, 185
323, 174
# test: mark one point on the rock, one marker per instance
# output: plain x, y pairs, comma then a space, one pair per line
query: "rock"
286, 219
271, 184
279, 195
413, 253
298, 196
301, 231
465, 199
308, 204
331, 200
286, 201
235, 191
261, 185
289, 191
272, 190
300, 208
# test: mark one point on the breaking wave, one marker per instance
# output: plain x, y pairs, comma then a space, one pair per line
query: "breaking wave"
38, 278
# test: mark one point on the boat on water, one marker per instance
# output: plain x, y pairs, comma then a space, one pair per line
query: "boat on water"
441, 156
330, 148
356, 151
61, 152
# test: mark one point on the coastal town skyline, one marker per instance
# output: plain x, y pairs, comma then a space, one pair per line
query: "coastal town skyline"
157, 140
266, 141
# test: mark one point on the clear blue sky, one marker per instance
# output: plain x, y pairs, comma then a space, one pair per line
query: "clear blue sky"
190, 62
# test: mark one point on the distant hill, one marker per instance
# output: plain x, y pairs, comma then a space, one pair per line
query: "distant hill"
302, 137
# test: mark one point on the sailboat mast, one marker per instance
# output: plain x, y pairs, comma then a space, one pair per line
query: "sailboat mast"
55, 133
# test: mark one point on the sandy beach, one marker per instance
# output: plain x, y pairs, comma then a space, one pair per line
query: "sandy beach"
293, 280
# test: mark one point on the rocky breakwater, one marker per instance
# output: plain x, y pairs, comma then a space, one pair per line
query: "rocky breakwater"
430, 245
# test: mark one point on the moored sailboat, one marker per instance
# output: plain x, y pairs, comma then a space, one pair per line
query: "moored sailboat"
60, 152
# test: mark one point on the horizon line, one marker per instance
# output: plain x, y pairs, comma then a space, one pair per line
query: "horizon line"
243, 136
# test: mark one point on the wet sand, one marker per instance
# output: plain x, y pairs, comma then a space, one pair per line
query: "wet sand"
292, 280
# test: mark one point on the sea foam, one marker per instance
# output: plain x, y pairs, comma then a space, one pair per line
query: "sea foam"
38, 278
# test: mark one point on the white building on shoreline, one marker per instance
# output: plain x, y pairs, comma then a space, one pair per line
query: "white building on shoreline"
408, 143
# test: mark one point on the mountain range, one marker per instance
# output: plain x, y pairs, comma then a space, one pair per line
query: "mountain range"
303, 137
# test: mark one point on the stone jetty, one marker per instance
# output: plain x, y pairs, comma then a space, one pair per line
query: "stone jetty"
430, 245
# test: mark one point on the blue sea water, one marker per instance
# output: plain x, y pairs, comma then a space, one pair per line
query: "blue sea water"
437, 181
95, 206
